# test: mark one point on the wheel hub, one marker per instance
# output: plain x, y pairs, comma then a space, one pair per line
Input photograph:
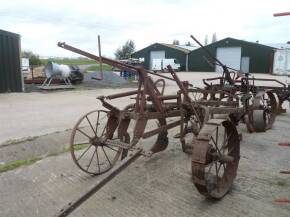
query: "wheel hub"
98, 141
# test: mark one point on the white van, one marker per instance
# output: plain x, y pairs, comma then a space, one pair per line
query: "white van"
161, 64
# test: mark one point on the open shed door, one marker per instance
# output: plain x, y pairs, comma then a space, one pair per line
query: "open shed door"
160, 54
230, 56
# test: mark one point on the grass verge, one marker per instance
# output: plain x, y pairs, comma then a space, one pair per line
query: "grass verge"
69, 61
18, 163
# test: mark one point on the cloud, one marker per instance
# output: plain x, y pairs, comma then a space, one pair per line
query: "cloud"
78, 22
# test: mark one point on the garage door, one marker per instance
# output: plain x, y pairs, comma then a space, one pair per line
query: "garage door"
156, 55
230, 56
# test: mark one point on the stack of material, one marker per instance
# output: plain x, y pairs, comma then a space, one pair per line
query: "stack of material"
109, 79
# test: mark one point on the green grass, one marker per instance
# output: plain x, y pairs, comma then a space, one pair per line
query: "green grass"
18, 163
281, 183
69, 61
97, 68
80, 146
77, 147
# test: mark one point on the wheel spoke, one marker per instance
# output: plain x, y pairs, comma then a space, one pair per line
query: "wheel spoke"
98, 159
211, 165
219, 167
215, 145
91, 161
97, 124
230, 151
106, 155
108, 146
217, 176
225, 145
91, 125
216, 135
82, 132
104, 129
224, 167
84, 153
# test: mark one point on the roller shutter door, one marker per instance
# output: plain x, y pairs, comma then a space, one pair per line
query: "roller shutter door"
156, 55
230, 56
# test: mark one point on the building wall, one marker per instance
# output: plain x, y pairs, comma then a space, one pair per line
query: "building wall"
261, 56
170, 53
10, 66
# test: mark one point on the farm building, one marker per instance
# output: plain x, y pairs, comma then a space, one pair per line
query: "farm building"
238, 54
10, 66
162, 51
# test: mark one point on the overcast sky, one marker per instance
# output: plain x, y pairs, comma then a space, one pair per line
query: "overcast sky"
42, 24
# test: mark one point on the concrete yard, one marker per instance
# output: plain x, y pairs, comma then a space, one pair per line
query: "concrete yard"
159, 186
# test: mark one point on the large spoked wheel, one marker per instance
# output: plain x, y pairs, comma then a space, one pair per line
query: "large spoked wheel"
265, 113
92, 142
215, 158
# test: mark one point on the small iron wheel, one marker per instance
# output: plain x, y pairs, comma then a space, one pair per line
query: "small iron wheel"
215, 161
263, 116
91, 142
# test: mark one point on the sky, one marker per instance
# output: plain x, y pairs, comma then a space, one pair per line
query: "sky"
43, 23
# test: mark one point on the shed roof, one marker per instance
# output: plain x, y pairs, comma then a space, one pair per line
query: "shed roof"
183, 48
241, 41
280, 45
9, 33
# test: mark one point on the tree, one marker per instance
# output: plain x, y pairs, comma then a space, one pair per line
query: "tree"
214, 38
175, 42
34, 59
206, 40
125, 51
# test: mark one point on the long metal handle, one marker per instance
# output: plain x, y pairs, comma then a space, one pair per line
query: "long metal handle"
117, 64
110, 175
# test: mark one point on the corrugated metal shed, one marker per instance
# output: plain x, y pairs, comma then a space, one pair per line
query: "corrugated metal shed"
260, 56
178, 52
10, 65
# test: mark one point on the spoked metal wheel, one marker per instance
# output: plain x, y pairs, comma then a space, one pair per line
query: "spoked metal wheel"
215, 158
264, 113
92, 142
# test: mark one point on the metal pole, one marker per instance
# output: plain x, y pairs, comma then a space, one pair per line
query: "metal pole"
100, 55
